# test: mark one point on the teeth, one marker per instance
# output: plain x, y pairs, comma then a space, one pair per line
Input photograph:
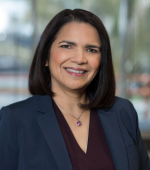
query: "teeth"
75, 71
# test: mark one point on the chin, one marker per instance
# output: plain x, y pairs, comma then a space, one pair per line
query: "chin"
76, 87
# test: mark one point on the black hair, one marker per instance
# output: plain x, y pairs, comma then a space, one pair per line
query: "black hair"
103, 85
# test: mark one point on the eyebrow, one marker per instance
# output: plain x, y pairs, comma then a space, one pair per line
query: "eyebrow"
87, 46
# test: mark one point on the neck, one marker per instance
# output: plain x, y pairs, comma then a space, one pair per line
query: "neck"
69, 100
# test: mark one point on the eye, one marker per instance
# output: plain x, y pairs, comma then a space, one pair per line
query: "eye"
66, 46
92, 50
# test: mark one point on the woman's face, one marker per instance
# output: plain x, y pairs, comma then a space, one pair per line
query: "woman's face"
75, 56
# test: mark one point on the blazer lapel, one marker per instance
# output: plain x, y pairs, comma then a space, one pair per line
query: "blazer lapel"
114, 139
52, 133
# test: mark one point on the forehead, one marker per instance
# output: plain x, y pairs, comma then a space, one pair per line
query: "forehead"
78, 31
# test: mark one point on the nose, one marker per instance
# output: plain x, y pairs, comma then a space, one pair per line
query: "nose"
79, 57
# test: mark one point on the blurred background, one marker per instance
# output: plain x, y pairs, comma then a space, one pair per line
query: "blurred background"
127, 22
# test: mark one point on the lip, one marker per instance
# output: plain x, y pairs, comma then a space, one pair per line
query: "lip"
76, 74
78, 69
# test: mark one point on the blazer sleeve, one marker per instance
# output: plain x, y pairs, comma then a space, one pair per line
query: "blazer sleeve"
145, 161
8, 140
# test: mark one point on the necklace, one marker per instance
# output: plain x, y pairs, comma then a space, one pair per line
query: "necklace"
78, 122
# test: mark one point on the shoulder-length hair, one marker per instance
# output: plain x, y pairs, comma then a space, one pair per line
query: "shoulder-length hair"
102, 86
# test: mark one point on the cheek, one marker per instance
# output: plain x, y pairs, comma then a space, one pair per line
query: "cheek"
56, 59
95, 63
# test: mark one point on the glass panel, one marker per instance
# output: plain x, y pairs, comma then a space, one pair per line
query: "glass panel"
128, 25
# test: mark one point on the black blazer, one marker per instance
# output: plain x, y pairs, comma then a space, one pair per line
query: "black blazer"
31, 139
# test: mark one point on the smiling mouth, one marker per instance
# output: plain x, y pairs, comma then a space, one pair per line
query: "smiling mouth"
75, 71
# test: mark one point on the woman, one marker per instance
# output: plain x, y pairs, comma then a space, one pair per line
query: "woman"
73, 121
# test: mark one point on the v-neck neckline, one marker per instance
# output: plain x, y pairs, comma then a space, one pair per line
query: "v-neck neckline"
88, 135
79, 127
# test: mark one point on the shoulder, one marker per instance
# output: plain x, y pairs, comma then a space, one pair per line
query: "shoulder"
27, 103
124, 106
25, 108
125, 111
121, 103
126, 115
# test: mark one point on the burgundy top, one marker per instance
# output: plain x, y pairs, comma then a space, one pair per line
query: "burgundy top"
98, 156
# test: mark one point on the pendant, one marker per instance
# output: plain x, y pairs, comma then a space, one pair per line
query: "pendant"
79, 123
